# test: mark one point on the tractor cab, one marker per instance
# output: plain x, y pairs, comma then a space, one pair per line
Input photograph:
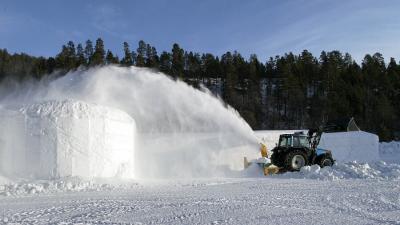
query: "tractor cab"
296, 140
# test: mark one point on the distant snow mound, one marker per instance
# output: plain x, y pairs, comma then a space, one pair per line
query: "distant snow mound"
350, 170
56, 139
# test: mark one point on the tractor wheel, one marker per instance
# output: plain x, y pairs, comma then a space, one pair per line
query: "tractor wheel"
325, 160
295, 160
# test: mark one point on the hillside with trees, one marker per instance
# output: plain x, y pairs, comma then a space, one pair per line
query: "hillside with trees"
282, 92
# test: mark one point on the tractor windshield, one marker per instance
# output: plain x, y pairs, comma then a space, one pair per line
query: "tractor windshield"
293, 141
285, 141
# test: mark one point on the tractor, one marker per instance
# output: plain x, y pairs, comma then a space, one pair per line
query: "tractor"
294, 151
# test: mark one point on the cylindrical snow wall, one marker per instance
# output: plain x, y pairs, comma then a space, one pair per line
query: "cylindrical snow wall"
66, 138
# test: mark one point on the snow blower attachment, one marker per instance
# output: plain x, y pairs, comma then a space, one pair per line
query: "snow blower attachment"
264, 162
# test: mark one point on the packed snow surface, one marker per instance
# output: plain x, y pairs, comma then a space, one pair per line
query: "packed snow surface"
56, 139
211, 201
347, 193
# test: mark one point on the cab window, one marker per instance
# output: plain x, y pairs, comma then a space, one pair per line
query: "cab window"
304, 142
300, 141
285, 141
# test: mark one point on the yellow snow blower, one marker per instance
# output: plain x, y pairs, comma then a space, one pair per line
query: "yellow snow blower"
264, 162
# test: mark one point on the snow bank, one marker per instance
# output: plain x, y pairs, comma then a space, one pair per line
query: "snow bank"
351, 146
390, 151
66, 184
349, 170
66, 138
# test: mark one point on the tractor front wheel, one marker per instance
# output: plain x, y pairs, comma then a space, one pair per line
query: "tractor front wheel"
325, 160
295, 160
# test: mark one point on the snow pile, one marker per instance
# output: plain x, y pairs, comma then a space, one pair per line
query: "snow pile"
349, 170
3, 180
66, 138
351, 146
390, 151
68, 184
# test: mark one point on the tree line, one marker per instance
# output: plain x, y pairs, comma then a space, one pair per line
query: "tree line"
284, 92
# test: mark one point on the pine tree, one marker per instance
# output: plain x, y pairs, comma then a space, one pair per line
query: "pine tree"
66, 59
110, 58
177, 66
231, 79
127, 60
165, 62
88, 52
141, 54
98, 57
80, 54
151, 56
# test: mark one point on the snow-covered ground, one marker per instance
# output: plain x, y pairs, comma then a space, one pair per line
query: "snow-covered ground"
347, 193
214, 201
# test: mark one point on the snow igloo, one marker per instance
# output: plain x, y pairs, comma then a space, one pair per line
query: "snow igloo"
56, 139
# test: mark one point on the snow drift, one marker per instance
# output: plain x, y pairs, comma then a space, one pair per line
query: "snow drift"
66, 138
378, 170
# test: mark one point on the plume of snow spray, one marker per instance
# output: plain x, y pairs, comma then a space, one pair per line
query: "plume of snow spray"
182, 132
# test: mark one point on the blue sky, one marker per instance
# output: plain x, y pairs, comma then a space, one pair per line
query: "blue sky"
266, 28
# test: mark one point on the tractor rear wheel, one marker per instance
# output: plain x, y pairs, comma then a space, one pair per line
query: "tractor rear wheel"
295, 160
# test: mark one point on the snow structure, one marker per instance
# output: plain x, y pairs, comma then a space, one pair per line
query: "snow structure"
390, 151
350, 146
57, 139
345, 146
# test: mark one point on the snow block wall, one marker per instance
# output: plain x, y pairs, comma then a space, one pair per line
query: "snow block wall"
66, 138
390, 151
349, 146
